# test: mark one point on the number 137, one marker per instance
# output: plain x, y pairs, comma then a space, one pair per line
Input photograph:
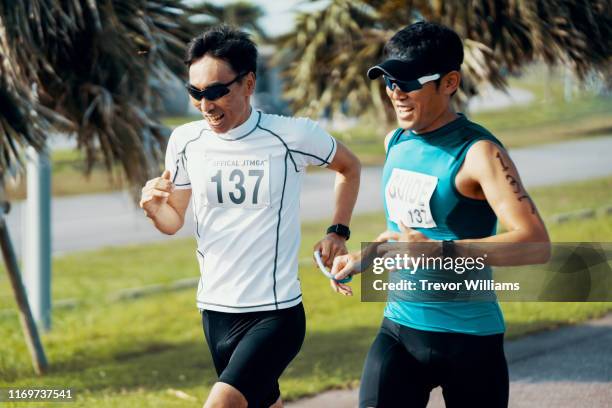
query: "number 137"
237, 177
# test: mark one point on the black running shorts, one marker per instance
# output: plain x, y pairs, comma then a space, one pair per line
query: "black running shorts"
251, 350
405, 364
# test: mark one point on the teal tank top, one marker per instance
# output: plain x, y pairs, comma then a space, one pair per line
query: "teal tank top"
433, 159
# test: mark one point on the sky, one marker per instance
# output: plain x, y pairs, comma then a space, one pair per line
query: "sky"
279, 14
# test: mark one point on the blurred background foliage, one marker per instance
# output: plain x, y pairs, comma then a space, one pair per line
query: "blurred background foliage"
329, 50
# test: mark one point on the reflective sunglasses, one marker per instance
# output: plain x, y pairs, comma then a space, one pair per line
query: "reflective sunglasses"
408, 86
214, 92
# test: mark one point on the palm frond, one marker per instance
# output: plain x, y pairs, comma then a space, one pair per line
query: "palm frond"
92, 63
328, 55
242, 14
329, 51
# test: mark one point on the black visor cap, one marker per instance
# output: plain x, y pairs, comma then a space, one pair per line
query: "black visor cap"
402, 70
406, 70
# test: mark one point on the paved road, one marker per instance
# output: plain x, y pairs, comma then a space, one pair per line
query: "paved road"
565, 368
490, 99
99, 220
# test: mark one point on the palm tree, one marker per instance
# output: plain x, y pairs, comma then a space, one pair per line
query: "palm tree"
330, 50
92, 68
240, 14
86, 67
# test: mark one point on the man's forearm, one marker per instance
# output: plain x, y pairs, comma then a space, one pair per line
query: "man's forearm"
346, 190
512, 248
167, 220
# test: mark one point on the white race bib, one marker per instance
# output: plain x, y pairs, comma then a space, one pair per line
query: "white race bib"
407, 194
239, 181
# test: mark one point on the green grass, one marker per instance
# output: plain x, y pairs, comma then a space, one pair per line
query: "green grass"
69, 178
549, 118
136, 352
585, 194
175, 121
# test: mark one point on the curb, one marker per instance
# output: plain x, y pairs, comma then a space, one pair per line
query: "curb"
583, 214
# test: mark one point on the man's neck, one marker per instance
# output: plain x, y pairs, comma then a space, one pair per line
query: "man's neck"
444, 118
245, 117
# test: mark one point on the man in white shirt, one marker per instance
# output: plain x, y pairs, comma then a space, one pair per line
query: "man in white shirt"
243, 170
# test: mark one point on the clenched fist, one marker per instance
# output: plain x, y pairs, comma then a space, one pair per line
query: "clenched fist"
155, 194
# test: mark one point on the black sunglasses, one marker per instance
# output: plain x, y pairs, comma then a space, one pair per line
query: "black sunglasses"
408, 86
214, 92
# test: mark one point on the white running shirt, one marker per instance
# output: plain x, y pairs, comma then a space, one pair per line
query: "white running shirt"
245, 188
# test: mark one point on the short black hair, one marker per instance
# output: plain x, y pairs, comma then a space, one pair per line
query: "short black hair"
226, 43
438, 46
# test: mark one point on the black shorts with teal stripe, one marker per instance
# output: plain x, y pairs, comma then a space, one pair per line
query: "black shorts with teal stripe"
251, 350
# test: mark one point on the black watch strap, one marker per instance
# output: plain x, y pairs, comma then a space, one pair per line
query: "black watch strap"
341, 230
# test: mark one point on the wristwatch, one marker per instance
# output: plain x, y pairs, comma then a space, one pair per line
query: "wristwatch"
341, 230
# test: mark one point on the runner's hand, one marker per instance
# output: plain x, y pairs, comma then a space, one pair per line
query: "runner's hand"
343, 266
407, 236
330, 247
155, 194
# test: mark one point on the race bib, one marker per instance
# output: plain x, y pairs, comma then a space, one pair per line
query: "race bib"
242, 181
407, 194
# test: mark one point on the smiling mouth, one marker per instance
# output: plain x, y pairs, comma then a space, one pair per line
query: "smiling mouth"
214, 120
404, 109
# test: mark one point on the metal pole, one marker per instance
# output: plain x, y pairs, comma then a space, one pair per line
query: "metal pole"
568, 85
37, 237
39, 360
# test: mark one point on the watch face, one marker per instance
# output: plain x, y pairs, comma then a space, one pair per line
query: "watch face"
340, 229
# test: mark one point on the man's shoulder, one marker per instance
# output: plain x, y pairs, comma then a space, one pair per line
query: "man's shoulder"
483, 146
388, 138
286, 124
188, 131
473, 132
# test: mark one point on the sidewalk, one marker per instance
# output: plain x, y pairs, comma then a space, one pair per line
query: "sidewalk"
564, 368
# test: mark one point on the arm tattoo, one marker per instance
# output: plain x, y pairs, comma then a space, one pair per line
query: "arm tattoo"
514, 183
501, 161
533, 209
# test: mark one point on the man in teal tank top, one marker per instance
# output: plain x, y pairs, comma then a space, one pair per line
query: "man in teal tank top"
466, 183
